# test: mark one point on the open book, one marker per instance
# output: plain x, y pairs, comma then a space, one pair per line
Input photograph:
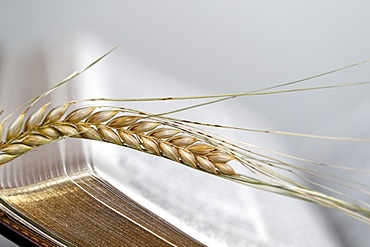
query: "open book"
89, 193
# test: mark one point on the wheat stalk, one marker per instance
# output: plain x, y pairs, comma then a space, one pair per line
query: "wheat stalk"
166, 137
154, 135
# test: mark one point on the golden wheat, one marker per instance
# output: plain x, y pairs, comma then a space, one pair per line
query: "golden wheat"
117, 126
171, 138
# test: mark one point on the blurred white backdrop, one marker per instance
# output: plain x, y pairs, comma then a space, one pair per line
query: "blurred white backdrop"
228, 47
221, 47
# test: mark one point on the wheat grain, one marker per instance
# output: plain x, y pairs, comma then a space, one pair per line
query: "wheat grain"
135, 131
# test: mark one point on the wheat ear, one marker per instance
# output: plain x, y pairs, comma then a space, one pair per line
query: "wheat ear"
114, 125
